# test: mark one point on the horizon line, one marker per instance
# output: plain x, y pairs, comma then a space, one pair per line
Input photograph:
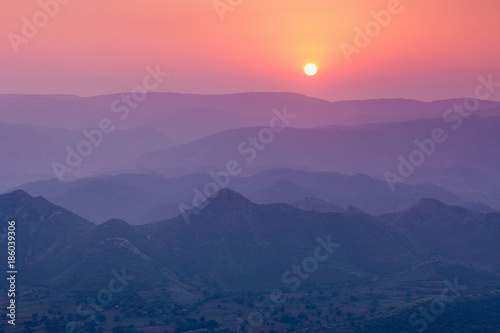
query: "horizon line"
243, 93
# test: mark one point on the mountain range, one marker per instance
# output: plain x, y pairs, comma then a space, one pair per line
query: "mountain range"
187, 117
142, 198
239, 245
464, 163
190, 213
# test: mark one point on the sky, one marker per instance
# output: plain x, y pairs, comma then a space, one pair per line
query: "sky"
425, 49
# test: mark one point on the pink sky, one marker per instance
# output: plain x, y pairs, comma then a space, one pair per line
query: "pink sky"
430, 50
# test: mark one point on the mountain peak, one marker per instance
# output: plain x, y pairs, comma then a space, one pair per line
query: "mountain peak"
224, 202
429, 206
18, 195
428, 203
349, 209
227, 197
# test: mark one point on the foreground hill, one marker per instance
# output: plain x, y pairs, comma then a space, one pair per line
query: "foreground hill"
231, 237
250, 246
63, 251
473, 314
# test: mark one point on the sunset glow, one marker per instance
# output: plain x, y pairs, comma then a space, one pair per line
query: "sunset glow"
227, 166
99, 47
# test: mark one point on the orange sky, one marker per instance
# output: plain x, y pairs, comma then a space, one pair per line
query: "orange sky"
432, 49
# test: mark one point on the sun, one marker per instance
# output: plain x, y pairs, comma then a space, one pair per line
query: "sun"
310, 69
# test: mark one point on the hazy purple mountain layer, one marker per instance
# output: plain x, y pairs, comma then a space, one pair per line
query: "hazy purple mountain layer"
464, 160
186, 117
142, 198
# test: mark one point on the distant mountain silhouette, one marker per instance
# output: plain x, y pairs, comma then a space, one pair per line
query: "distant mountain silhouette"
369, 194
142, 198
465, 163
27, 152
187, 117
